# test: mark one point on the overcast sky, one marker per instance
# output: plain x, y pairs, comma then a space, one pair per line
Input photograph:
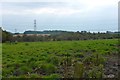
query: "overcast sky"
70, 15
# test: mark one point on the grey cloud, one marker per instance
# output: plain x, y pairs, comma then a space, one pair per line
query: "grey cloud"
32, 5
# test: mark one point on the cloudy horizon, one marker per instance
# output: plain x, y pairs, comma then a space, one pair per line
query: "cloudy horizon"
79, 15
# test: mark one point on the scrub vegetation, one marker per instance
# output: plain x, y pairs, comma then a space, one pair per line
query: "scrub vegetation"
60, 59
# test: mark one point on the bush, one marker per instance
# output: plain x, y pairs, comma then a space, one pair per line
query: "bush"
96, 59
24, 69
7, 71
65, 54
79, 55
52, 77
22, 76
96, 72
66, 61
35, 76
53, 59
26, 44
79, 70
48, 68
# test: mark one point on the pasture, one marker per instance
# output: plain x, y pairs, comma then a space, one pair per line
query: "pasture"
60, 59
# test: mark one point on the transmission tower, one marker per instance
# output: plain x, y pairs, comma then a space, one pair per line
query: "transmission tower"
15, 30
34, 25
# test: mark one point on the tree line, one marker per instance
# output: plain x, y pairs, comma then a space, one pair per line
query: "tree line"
62, 36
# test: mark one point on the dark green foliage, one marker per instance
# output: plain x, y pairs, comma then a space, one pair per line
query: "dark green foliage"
24, 70
52, 77
66, 61
96, 59
96, 72
79, 70
26, 44
63, 36
6, 36
48, 68
51, 59
79, 55
34, 76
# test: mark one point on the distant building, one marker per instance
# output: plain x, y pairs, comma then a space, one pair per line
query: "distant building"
18, 34
31, 33
37, 33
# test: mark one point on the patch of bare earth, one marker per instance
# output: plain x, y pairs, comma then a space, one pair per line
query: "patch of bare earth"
111, 66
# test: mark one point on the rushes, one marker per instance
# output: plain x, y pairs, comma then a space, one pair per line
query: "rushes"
78, 70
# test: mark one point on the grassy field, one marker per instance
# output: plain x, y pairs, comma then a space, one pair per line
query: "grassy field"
0, 60
60, 59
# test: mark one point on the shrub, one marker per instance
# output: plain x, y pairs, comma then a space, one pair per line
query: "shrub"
22, 76
35, 76
79, 55
79, 70
52, 77
87, 60
38, 63
32, 59
7, 71
53, 59
96, 72
66, 61
26, 44
24, 70
96, 59
48, 68
65, 54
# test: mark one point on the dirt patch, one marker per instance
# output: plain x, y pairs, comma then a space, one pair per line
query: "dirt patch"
111, 66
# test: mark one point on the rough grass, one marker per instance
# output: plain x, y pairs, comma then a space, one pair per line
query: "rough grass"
43, 59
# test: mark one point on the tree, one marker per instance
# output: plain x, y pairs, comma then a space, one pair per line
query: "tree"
6, 36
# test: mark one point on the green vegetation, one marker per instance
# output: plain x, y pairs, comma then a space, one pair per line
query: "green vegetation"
54, 35
58, 59
0, 60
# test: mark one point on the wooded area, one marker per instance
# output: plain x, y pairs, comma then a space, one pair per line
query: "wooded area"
62, 36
